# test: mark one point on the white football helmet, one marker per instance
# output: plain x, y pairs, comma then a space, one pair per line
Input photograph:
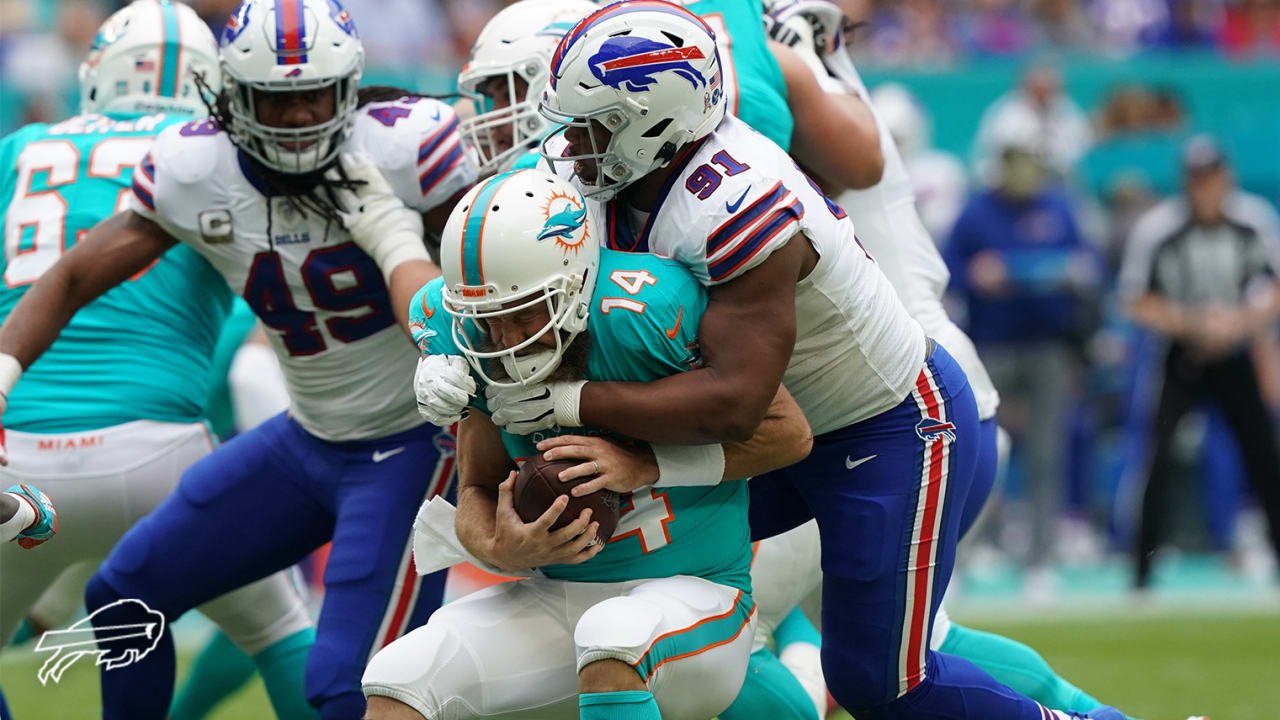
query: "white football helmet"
648, 72
517, 240
517, 43
272, 46
144, 59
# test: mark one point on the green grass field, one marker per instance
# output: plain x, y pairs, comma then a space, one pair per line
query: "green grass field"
1156, 667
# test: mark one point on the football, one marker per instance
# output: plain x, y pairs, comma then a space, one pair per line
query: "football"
538, 485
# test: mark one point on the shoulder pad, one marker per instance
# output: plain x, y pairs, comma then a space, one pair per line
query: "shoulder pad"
648, 305
189, 152
416, 145
733, 200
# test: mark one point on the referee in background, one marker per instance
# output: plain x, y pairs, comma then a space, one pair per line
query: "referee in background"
1202, 269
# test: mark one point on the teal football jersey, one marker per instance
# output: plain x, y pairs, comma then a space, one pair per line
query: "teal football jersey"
757, 93
643, 326
140, 351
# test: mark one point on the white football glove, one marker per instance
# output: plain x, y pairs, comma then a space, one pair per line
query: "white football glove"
444, 387
526, 409
379, 222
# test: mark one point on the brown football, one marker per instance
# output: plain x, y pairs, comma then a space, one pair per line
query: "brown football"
538, 485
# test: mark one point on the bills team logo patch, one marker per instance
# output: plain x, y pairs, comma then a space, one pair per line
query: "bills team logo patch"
930, 429
564, 216
630, 63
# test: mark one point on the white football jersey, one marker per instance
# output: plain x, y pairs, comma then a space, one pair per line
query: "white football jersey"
890, 228
734, 199
348, 365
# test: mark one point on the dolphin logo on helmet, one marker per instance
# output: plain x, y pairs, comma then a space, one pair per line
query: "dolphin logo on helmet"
564, 223
633, 61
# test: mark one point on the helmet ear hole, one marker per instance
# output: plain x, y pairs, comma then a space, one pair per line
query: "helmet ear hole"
657, 129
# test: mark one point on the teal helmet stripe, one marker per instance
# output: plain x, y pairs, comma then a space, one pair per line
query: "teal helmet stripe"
473, 229
169, 52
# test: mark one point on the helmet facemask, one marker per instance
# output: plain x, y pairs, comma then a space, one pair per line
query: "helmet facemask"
567, 301
315, 146
614, 172
519, 116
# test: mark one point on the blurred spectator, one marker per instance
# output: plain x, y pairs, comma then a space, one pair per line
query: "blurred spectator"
910, 32
1038, 108
996, 28
38, 67
1252, 27
1064, 24
1019, 263
1191, 23
1127, 198
938, 178
1202, 270
1134, 108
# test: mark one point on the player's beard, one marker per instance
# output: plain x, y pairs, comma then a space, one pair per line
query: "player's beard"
573, 362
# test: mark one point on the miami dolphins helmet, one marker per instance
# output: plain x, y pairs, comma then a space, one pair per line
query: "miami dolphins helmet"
645, 70
516, 241
514, 49
145, 58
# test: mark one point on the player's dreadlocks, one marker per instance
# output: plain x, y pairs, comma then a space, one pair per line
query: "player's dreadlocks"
304, 192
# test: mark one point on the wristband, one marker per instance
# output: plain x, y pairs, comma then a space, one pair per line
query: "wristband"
395, 249
10, 371
688, 465
568, 404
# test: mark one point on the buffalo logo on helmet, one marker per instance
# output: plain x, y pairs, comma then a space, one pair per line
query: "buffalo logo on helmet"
633, 61
564, 215
930, 429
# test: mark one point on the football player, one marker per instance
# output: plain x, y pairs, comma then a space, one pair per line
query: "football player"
327, 254
661, 615
113, 412
638, 87
890, 228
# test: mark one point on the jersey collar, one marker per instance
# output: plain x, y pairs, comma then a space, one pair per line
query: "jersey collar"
620, 234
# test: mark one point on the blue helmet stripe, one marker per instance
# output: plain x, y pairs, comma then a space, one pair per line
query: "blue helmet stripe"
169, 52
473, 229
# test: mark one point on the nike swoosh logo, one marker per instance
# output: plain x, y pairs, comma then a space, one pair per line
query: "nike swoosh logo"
426, 310
737, 203
850, 463
437, 115
379, 455
679, 315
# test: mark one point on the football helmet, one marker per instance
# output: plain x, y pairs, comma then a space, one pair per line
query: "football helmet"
273, 46
517, 240
647, 71
145, 58
517, 43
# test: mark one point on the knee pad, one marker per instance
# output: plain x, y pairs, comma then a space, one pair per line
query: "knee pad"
619, 628
425, 670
